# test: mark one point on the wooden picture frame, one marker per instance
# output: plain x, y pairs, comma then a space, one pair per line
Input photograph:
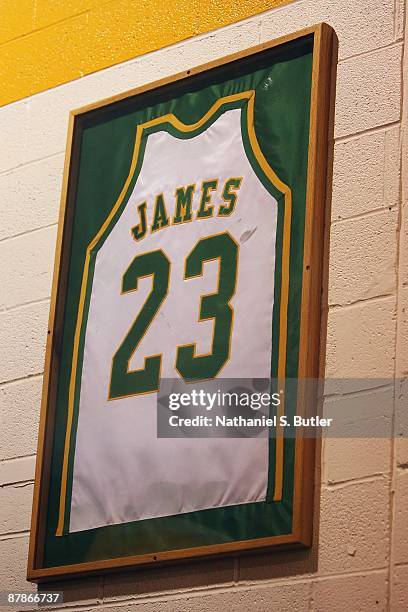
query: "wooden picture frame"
311, 359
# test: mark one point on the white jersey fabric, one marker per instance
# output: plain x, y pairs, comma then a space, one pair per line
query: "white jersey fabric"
122, 471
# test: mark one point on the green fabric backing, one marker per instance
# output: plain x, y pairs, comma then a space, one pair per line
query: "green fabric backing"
281, 78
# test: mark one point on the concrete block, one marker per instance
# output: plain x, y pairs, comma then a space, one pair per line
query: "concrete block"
19, 470
19, 414
291, 597
363, 258
354, 527
32, 196
356, 593
346, 18
15, 24
28, 265
196, 575
399, 590
350, 458
11, 497
13, 565
13, 130
361, 341
361, 414
76, 592
359, 443
255, 568
368, 91
361, 180
400, 526
23, 334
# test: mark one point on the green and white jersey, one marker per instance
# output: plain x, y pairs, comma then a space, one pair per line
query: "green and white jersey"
182, 287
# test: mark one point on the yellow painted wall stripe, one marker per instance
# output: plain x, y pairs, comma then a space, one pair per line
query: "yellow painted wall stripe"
44, 43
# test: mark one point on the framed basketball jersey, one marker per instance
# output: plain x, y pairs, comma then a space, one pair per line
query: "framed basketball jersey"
190, 249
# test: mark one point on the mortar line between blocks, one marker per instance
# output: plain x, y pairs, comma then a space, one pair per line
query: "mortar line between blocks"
30, 162
52, 25
364, 215
17, 458
393, 44
12, 381
24, 304
28, 232
369, 300
14, 535
374, 130
243, 587
343, 484
358, 392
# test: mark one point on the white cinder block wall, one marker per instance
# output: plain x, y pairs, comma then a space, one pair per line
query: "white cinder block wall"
360, 557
